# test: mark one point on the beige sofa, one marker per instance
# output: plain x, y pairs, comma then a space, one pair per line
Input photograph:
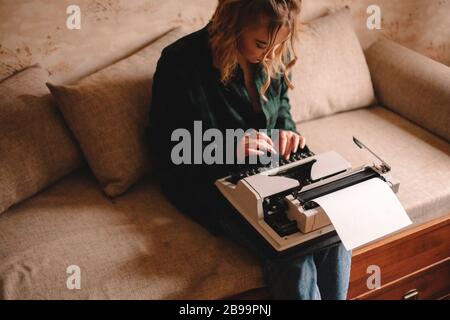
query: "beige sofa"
136, 245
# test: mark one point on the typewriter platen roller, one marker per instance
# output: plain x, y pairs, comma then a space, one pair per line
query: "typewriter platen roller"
278, 201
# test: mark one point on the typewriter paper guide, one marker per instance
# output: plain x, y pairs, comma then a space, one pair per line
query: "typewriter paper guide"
364, 212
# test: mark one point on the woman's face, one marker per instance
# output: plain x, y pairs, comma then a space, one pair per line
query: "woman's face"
253, 43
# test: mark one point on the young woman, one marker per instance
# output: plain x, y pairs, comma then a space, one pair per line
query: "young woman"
231, 74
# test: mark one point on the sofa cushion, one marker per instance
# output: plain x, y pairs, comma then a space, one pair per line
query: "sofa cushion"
411, 84
331, 73
137, 246
107, 112
36, 148
419, 159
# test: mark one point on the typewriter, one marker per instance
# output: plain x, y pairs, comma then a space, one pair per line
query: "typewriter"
277, 201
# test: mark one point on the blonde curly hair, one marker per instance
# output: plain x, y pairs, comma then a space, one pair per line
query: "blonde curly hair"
228, 22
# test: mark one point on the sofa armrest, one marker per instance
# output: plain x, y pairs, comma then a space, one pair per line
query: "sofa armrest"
412, 85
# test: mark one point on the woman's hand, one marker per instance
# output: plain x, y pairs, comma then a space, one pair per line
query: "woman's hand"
289, 142
255, 143
258, 143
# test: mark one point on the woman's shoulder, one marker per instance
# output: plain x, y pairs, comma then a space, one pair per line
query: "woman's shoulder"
187, 49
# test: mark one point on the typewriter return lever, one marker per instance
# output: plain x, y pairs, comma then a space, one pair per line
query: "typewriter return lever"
384, 167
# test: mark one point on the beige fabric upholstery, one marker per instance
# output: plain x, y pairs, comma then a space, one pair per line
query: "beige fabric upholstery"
412, 85
419, 159
36, 148
138, 246
108, 113
331, 73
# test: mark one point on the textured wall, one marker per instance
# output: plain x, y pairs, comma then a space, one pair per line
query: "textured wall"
35, 30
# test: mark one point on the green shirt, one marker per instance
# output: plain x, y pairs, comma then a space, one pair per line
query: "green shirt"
187, 88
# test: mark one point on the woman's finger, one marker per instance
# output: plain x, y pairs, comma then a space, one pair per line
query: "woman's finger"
266, 146
262, 135
289, 147
251, 151
302, 142
296, 139
283, 140
261, 145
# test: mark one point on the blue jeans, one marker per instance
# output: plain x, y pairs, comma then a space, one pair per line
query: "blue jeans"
322, 275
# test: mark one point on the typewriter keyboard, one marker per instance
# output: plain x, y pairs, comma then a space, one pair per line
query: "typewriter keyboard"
246, 170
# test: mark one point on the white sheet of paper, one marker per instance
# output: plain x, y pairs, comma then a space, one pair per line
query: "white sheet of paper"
364, 212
